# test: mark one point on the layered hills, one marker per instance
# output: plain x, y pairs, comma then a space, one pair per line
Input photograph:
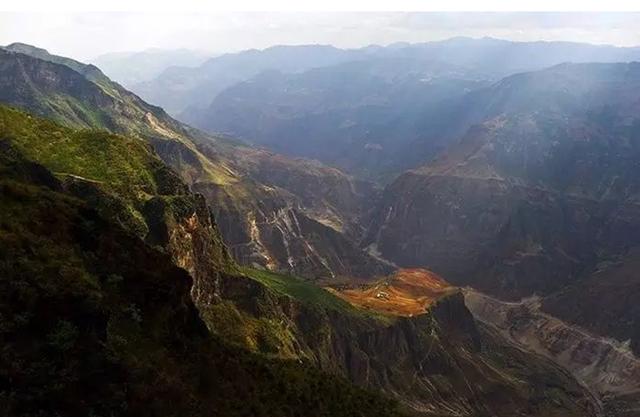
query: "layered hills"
122, 270
373, 111
179, 89
86, 275
131, 68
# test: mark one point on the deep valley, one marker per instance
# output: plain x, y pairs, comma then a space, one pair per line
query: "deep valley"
438, 229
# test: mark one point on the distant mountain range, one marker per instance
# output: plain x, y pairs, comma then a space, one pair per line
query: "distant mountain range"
131, 68
373, 111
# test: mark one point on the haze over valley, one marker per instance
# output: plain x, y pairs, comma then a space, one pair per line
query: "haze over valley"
447, 227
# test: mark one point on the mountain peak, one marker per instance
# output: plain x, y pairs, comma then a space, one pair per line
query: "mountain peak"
25, 48
90, 71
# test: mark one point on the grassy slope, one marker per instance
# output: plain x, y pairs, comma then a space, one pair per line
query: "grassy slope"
124, 173
255, 314
119, 163
71, 111
310, 294
301, 290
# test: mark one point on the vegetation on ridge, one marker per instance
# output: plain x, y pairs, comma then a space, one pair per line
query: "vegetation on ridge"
121, 164
301, 290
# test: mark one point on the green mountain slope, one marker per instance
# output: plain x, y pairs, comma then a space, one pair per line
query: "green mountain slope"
126, 166
95, 322
123, 174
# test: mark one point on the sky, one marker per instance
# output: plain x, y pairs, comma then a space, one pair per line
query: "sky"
86, 35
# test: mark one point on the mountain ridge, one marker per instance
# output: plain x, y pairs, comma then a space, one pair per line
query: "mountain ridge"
227, 173
378, 119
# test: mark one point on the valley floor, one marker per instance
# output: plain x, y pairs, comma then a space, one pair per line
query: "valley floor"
606, 366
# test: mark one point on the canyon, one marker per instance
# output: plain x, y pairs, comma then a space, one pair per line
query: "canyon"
493, 275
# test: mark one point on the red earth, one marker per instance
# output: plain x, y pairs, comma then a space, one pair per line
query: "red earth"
407, 292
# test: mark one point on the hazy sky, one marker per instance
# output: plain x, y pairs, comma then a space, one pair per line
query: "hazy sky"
86, 35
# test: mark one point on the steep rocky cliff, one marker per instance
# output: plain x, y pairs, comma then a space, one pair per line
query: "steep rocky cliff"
605, 302
533, 199
438, 362
293, 216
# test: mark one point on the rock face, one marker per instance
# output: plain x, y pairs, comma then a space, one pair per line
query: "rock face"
185, 228
531, 200
606, 366
439, 363
294, 216
605, 302
280, 236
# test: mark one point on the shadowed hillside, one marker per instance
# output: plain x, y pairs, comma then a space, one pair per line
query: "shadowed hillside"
97, 322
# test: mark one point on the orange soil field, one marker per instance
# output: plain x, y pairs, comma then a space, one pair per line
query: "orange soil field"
407, 292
